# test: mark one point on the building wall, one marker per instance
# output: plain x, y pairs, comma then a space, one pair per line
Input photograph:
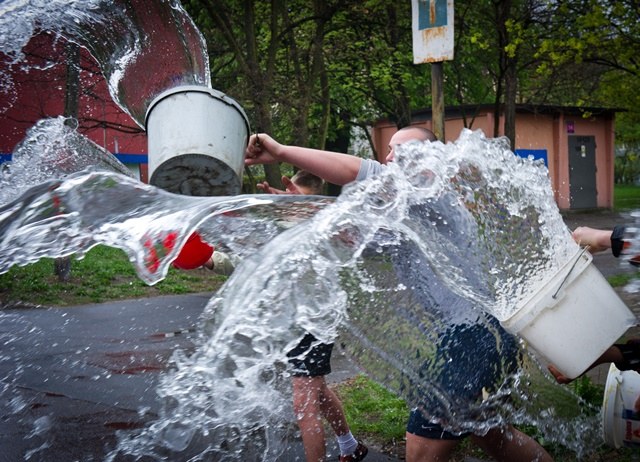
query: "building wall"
544, 135
39, 93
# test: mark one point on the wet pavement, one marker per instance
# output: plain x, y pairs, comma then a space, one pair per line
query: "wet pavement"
75, 376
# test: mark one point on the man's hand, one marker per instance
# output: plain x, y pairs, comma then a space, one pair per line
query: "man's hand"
560, 378
290, 187
596, 240
267, 188
262, 149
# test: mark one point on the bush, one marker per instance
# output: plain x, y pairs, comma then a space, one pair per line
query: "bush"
627, 166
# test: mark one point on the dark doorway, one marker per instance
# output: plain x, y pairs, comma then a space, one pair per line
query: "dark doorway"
582, 172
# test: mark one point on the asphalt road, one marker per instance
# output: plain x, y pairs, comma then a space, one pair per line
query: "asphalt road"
73, 377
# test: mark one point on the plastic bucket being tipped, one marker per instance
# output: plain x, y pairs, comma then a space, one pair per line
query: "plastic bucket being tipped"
620, 422
197, 139
572, 318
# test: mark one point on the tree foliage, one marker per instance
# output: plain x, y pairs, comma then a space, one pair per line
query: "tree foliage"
310, 70
595, 45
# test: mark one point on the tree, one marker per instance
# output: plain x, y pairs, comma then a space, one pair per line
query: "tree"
41, 88
598, 40
308, 70
275, 67
311, 60
496, 42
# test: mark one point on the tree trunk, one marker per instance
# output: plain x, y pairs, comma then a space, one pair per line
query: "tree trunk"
502, 14
508, 70
510, 91
342, 130
62, 266
401, 100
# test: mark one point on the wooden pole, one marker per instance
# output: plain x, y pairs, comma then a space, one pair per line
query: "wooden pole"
437, 100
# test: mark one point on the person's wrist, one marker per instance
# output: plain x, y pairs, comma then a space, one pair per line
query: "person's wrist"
282, 153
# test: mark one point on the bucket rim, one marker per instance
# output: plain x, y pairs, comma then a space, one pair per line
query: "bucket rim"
196, 89
609, 403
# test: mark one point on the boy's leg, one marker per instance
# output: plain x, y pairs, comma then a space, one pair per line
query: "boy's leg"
421, 449
331, 408
511, 445
313, 399
306, 405
428, 441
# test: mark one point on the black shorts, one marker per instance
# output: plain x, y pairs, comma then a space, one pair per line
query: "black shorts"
310, 358
467, 361
630, 356
420, 426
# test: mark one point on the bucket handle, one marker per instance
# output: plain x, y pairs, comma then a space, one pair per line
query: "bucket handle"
569, 272
619, 379
619, 394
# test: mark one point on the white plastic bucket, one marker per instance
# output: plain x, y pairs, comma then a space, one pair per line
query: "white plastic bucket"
573, 318
620, 423
197, 139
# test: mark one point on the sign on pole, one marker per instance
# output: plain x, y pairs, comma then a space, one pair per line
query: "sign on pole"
432, 24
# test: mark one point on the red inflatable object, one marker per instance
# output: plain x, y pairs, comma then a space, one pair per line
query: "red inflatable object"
194, 253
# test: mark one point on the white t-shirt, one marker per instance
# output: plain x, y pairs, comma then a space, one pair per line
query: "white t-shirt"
369, 168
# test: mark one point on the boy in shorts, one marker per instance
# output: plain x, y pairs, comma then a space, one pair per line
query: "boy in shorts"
310, 363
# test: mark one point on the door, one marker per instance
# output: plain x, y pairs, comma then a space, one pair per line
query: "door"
582, 172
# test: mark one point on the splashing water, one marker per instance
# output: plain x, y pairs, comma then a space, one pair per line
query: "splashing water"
126, 37
70, 216
406, 269
52, 150
394, 266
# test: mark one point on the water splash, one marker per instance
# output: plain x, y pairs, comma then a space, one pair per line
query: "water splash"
469, 221
351, 272
126, 37
52, 149
403, 269
72, 215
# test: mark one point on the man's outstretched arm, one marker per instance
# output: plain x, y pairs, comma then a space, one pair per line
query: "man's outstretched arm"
331, 166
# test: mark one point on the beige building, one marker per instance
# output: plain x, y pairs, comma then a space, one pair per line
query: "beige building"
578, 150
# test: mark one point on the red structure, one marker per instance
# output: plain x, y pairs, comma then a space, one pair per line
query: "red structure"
37, 87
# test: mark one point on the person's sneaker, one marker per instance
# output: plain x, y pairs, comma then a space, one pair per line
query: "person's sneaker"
359, 454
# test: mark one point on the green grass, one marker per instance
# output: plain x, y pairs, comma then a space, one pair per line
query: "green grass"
104, 274
626, 197
372, 410
621, 280
378, 416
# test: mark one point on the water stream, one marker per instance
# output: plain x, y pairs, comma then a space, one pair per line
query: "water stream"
127, 38
449, 239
